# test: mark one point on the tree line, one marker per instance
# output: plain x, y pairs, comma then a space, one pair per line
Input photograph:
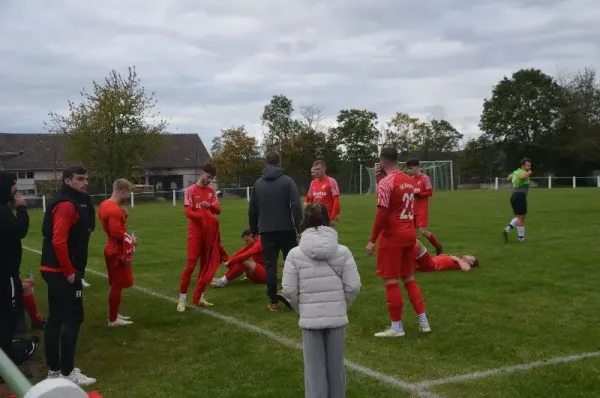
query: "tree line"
554, 121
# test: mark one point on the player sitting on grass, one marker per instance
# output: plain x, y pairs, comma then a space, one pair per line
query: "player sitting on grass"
30, 305
443, 262
248, 259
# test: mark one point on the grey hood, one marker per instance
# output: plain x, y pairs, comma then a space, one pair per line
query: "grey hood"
271, 172
319, 243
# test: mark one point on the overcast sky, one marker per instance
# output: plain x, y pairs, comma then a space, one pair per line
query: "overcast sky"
214, 64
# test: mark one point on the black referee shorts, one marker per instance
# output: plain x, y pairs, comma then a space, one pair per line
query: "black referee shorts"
518, 201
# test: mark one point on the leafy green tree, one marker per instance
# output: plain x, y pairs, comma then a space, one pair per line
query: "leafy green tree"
236, 156
358, 134
437, 136
277, 117
112, 131
402, 132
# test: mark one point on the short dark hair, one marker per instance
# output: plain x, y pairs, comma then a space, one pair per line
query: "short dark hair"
412, 163
315, 215
209, 169
525, 160
475, 263
389, 154
246, 232
319, 162
70, 171
273, 158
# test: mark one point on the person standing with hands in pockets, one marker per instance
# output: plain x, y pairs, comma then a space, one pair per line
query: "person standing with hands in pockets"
321, 281
65, 232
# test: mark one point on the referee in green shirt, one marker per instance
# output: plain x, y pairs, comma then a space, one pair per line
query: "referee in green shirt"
518, 200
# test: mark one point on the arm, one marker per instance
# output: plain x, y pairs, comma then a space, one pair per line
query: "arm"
427, 190
14, 225
188, 206
64, 216
462, 264
335, 195
290, 284
253, 212
309, 194
351, 279
116, 226
295, 203
384, 193
245, 253
215, 207
525, 175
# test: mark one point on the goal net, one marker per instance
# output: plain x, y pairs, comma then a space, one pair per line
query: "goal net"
439, 171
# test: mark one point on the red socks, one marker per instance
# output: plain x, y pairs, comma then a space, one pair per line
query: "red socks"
394, 301
235, 271
32, 309
415, 296
114, 301
433, 240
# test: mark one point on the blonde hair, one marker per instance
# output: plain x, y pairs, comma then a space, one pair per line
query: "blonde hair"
122, 185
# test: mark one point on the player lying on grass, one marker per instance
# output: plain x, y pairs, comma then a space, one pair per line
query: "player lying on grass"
118, 251
248, 259
443, 262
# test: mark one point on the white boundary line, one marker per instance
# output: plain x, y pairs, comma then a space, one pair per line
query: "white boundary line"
383, 378
426, 384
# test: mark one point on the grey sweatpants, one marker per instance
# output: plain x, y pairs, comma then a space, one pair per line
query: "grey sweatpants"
324, 371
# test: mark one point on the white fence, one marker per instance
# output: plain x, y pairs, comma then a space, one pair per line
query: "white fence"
551, 182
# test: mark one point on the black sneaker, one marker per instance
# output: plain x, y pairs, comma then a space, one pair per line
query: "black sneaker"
283, 300
439, 250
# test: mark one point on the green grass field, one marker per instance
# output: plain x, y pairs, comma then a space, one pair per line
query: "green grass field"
528, 302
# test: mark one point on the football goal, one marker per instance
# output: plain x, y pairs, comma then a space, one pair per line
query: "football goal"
440, 172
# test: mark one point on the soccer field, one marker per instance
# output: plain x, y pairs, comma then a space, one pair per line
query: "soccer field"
526, 303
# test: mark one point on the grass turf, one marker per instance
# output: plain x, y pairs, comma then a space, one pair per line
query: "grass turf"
527, 302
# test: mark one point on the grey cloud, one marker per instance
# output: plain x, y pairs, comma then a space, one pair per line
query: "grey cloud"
215, 64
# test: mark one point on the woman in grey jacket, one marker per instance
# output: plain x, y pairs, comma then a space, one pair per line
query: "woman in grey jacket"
321, 281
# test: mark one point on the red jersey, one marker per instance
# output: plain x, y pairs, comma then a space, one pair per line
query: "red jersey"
444, 262
424, 189
325, 190
114, 225
64, 216
254, 250
193, 197
394, 223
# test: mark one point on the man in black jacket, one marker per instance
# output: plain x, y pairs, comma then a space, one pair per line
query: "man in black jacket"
13, 228
66, 231
275, 213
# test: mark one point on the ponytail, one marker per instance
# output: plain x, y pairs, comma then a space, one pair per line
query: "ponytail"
315, 215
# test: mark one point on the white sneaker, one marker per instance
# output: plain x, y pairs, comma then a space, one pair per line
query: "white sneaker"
79, 378
119, 322
181, 306
391, 332
123, 317
53, 374
84, 283
219, 283
424, 326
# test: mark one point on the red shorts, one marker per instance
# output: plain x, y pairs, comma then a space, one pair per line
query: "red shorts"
425, 263
395, 262
259, 275
120, 274
421, 220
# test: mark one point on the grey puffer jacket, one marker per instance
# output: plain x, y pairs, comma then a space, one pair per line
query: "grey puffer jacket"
320, 279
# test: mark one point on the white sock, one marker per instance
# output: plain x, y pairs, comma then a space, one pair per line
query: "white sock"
422, 317
521, 231
224, 279
397, 325
508, 228
513, 222
182, 296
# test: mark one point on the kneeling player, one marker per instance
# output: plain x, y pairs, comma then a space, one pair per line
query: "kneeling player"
118, 251
443, 262
248, 259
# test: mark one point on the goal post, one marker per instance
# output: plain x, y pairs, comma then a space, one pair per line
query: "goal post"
441, 173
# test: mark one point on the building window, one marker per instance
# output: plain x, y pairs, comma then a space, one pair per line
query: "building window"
25, 175
27, 192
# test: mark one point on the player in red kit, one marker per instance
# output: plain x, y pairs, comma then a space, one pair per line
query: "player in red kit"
423, 190
249, 259
443, 262
394, 227
324, 189
118, 251
204, 240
